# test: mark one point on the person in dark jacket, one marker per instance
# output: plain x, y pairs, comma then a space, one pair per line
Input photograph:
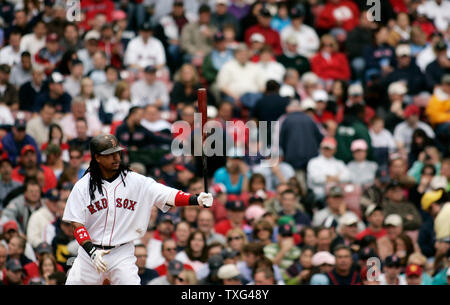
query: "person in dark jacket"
344, 272
16, 139
134, 136
271, 106
299, 148
357, 40
406, 69
29, 90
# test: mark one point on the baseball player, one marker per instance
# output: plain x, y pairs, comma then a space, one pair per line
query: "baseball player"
109, 208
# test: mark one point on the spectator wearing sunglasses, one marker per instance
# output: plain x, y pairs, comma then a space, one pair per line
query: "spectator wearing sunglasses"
146, 274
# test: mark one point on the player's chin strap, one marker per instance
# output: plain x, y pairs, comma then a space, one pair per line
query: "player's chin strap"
180, 199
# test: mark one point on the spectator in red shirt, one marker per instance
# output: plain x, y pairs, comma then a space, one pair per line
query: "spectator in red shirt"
236, 217
28, 165
112, 48
321, 114
338, 13
329, 63
271, 36
92, 8
32, 269
169, 251
375, 217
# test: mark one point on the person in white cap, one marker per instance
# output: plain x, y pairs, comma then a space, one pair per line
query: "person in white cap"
406, 69
230, 275
362, 171
321, 98
394, 227
326, 169
347, 232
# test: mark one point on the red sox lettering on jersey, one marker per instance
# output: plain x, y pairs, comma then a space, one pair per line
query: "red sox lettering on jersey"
102, 204
120, 213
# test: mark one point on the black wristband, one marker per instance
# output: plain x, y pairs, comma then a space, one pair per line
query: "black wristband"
193, 200
89, 248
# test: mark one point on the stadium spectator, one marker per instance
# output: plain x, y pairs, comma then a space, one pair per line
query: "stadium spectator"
326, 169
271, 37
329, 63
39, 126
149, 90
338, 14
21, 72
305, 37
29, 90
197, 37
35, 41
16, 140
55, 94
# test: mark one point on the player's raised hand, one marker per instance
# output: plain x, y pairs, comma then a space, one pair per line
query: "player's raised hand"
205, 199
99, 262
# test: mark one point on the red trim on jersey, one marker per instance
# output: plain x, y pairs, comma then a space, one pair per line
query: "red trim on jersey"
106, 219
81, 235
115, 209
182, 199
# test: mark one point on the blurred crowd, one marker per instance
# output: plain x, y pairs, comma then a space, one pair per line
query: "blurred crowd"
356, 94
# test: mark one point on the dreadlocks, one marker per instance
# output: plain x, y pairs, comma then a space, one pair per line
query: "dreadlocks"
95, 180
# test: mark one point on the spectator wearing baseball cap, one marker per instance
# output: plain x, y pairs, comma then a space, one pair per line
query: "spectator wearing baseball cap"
335, 204
50, 55
406, 69
230, 275
347, 232
149, 90
174, 268
42, 217
362, 171
391, 271
326, 169
14, 273
375, 218
403, 131
32, 269
271, 37
284, 252
306, 36
29, 163
431, 203
396, 203
413, 274
235, 217
15, 140
394, 227
321, 114
145, 49
55, 95
7, 184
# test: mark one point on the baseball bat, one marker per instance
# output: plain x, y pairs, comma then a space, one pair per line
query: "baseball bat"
202, 107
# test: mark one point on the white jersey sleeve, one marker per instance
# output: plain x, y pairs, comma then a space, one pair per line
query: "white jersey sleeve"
75, 210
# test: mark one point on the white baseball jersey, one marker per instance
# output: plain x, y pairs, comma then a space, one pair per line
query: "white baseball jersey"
122, 213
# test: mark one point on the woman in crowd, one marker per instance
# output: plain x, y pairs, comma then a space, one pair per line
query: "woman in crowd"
330, 64
196, 253
56, 136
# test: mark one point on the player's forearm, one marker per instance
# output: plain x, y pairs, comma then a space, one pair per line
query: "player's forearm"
83, 238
